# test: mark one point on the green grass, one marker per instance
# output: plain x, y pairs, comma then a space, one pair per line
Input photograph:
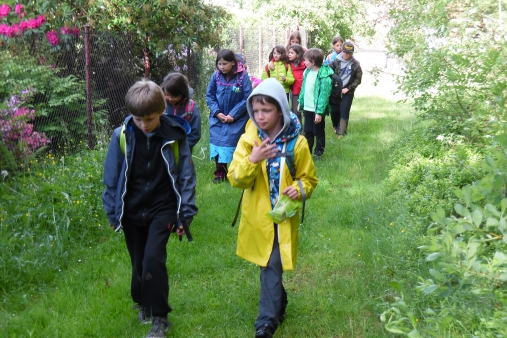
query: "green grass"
350, 249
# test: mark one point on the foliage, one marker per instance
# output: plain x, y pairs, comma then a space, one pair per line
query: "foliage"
59, 101
428, 167
456, 66
8, 163
17, 133
468, 262
50, 209
322, 17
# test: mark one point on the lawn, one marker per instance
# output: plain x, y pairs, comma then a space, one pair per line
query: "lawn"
352, 245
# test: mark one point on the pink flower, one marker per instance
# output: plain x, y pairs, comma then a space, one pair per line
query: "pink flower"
23, 25
15, 30
4, 10
52, 37
40, 20
69, 30
33, 23
3, 29
19, 10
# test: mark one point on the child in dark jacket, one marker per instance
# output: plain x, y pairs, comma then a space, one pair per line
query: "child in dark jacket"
178, 100
149, 188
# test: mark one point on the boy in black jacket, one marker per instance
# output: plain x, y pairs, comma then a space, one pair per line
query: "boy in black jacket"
150, 187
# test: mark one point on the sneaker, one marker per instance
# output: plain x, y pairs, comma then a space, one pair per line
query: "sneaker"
159, 327
143, 316
318, 155
218, 180
264, 331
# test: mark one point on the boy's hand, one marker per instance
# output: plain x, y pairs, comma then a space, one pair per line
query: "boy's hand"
291, 192
229, 119
318, 118
262, 152
222, 117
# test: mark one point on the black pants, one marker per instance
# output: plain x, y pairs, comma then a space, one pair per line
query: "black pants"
272, 296
147, 248
342, 111
314, 132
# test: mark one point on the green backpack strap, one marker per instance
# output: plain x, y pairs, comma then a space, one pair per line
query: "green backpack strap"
175, 145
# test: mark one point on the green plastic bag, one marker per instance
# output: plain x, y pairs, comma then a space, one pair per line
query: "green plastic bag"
285, 208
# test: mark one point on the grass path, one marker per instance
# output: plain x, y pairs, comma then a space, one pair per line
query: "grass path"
340, 285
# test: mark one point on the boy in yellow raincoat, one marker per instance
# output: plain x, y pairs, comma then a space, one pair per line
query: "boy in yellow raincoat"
259, 167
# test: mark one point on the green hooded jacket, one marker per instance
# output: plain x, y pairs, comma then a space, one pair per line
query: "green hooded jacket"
322, 92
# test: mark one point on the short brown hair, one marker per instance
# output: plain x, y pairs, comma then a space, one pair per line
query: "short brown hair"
145, 97
315, 55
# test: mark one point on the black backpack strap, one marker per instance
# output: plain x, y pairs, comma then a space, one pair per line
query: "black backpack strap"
237, 209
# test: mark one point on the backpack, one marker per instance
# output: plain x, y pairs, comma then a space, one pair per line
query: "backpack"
288, 153
239, 81
266, 68
175, 146
189, 110
336, 91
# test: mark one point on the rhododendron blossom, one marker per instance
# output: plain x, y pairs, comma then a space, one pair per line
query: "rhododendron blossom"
19, 10
52, 37
4, 10
18, 135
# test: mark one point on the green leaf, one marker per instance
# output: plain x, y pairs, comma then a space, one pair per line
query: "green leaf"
414, 334
503, 204
461, 210
437, 274
499, 259
432, 256
397, 286
429, 289
477, 217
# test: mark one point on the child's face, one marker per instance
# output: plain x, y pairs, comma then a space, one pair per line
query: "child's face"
346, 56
148, 123
276, 55
337, 47
225, 66
309, 64
295, 42
267, 116
292, 55
174, 100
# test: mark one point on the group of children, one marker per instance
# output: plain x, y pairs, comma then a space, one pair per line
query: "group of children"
150, 177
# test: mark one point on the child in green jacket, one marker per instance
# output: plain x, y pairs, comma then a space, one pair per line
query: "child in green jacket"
314, 99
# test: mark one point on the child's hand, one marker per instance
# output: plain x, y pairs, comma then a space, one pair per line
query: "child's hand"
318, 118
291, 192
262, 152
229, 119
283, 78
222, 117
271, 65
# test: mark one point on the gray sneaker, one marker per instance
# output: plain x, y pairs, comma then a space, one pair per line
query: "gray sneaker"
159, 327
143, 316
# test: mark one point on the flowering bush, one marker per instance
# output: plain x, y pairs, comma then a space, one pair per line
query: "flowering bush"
19, 25
18, 134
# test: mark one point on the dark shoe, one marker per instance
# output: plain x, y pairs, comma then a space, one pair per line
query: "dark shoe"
143, 316
159, 327
318, 155
264, 331
218, 180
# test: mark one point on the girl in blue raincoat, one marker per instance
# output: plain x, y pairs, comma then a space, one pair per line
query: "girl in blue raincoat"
228, 90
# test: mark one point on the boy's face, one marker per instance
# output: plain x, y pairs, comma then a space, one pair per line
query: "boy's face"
346, 56
148, 123
309, 64
337, 47
267, 117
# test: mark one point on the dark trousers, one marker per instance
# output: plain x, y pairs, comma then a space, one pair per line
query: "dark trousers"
220, 169
147, 248
272, 296
342, 112
294, 108
315, 133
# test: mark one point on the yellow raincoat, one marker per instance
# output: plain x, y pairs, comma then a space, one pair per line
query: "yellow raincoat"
256, 230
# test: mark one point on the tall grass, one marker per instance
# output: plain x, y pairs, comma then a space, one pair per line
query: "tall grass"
351, 248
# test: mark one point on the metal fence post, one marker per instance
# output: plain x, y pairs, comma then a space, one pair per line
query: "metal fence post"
88, 87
